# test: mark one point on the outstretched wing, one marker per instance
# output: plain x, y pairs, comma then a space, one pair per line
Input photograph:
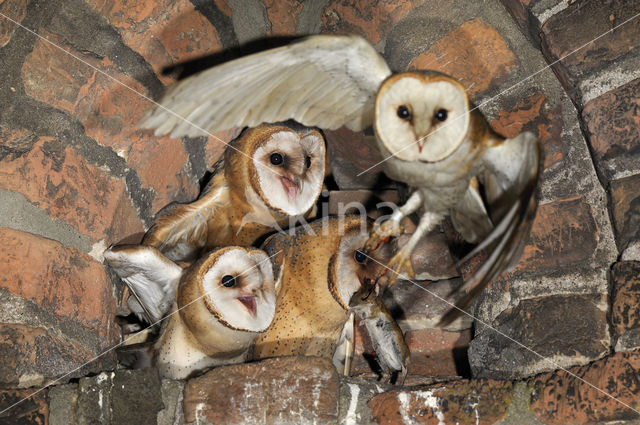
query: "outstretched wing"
510, 178
323, 80
151, 276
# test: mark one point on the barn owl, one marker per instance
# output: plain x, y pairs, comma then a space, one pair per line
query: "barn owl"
318, 268
266, 176
214, 308
431, 137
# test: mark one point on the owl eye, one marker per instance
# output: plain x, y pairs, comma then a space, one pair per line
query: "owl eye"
228, 281
307, 161
441, 114
276, 158
360, 256
404, 112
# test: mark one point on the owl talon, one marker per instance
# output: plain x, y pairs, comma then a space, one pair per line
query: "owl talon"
381, 234
399, 262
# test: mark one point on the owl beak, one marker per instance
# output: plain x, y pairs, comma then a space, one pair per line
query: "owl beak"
249, 302
420, 144
291, 185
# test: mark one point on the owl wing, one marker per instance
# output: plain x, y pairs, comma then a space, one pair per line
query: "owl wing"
323, 80
151, 276
180, 231
511, 170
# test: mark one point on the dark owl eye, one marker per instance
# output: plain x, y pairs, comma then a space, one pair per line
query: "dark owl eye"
307, 161
403, 112
228, 281
276, 158
360, 256
441, 114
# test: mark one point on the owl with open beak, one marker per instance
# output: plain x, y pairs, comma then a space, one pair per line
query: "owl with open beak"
211, 311
266, 177
431, 137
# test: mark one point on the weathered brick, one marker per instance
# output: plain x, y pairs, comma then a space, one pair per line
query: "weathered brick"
569, 35
535, 113
613, 125
59, 181
475, 53
353, 158
283, 16
570, 329
110, 112
625, 205
301, 390
16, 10
164, 32
480, 401
421, 305
32, 411
57, 312
597, 395
372, 20
625, 305
15, 142
435, 352
564, 234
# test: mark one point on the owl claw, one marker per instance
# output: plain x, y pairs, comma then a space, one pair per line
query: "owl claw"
399, 262
382, 233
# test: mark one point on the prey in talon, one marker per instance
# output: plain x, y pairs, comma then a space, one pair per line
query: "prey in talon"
386, 336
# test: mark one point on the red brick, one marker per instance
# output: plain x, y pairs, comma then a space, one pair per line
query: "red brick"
15, 142
217, 143
164, 32
475, 53
564, 234
61, 281
577, 26
350, 154
371, 19
535, 113
625, 206
480, 401
435, 352
625, 306
59, 181
32, 411
109, 112
67, 314
519, 9
561, 398
273, 391
613, 124
16, 10
283, 16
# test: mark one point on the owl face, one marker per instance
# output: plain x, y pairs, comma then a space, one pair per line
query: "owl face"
237, 288
421, 117
350, 268
289, 169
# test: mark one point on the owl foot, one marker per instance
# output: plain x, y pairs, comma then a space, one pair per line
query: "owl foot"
381, 234
399, 262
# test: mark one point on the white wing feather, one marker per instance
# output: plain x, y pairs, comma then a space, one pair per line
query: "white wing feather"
323, 80
150, 275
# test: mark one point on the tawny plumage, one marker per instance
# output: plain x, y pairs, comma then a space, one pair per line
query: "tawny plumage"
267, 176
318, 269
217, 307
425, 128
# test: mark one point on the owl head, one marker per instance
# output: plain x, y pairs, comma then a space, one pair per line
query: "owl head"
421, 116
285, 164
349, 267
232, 286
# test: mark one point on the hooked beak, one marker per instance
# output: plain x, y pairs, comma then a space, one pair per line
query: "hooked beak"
249, 301
291, 185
